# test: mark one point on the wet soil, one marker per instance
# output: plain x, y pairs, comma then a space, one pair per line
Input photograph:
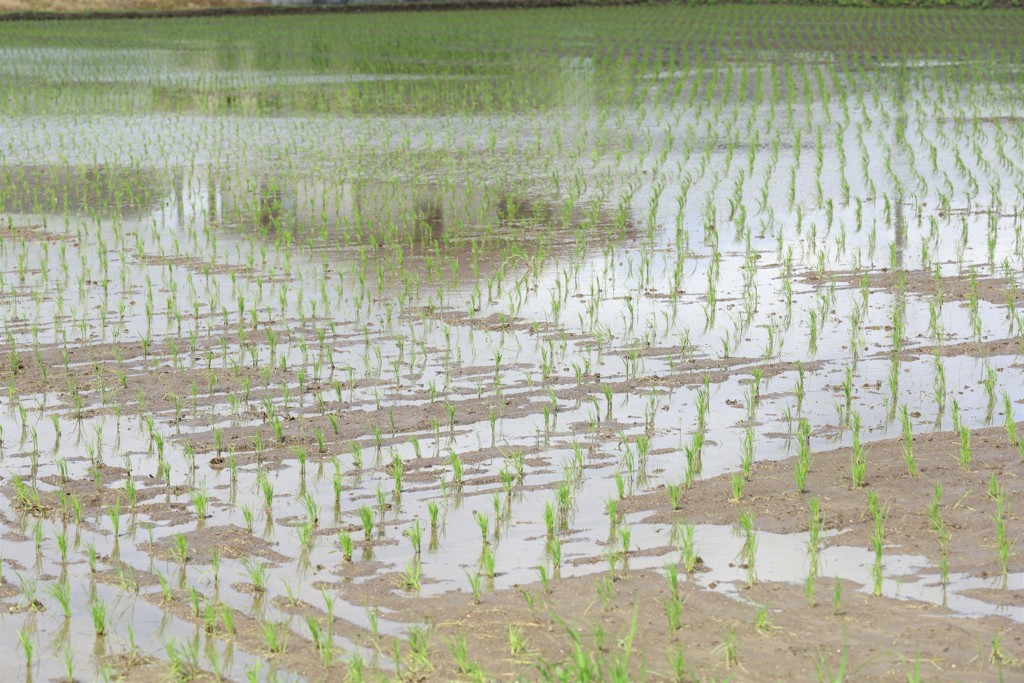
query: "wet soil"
966, 508
995, 290
879, 638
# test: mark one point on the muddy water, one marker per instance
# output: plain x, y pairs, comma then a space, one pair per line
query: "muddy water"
549, 288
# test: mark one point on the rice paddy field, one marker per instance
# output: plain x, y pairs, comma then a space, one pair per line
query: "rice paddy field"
677, 343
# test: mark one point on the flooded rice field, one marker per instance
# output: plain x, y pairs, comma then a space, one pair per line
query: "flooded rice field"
567, 344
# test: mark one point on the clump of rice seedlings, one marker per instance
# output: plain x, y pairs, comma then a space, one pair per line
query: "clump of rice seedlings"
837, 597
813, 540
487, 560
684, 537
747, 457
877, 538
997, 655
677, 663
322, 638
419, 643
1009, 423
737, 481
61, 592
1003, 544
940, 382
257, 573
366, 516
703, 404
673, 495
544, 577
459, 650
748, 551
483, 523
674, 612
411, 577
457, 470
847, 386
964, 432
908, 443
98, 611
114, 513
247, 517
989, 382
200, 500
727, 648
824, 669
858, 466
476, 586
27, 647
347, 544
625, 535
620, 485
356, 667
693, 458
762, 622
183, 659
611, 508
69, 664
802, 465
179, 550
517, 642
432, 511
800, 390
672, 578
275, 635
934, 510
267, 489
549, 520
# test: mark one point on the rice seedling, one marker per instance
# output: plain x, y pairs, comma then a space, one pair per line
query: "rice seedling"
200, 501
673, 495
737, 482
877, 538
824, 670
366, 516
483, 523
802, 464
61, 592
98, 611
517, 642
677, 663
858, 466
69, 664
27, 647
964, 433
276, 636
997, 654
684, 535
411, 577
762, 622
747, 457
745, 528
179, 550
908, 443
487, 561
727, 648
257, 573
